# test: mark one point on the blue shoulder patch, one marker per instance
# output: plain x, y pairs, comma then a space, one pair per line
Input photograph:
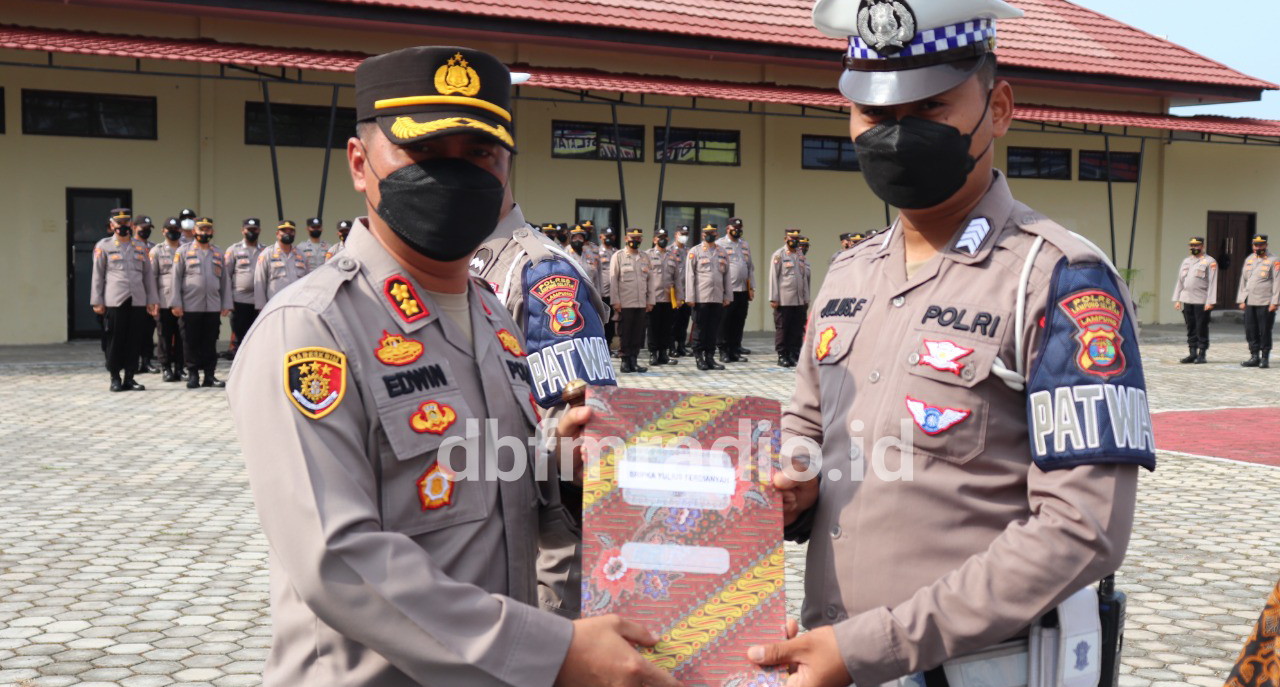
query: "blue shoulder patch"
563, 332
1086, 396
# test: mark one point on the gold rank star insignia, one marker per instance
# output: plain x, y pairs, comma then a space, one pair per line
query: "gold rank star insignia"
405, 298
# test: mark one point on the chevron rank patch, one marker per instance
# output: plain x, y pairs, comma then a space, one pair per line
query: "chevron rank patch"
315, 380
974, 235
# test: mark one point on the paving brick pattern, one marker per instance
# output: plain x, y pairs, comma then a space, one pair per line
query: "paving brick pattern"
130, 553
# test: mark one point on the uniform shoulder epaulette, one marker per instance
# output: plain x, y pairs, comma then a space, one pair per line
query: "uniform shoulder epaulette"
322, 284
1073, 247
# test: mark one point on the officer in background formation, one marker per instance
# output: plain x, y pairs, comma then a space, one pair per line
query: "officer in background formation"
121, 280
278, 265
162, 267
1195, 293
788, 280
709, 291
955, 392
632, 289
742, 272
142, 228
187, 223
344, 228
808, 271
242, 261
682, 312
588, 260
407, 575
313, 249
201, 298
668, 288
1258, 297
608, 247
848, 240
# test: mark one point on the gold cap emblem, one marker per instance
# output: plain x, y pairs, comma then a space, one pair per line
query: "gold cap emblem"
457, 77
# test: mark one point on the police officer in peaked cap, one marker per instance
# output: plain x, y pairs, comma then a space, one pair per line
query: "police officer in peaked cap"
967, 366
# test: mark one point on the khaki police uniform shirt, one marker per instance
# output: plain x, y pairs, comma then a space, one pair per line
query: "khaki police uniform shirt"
313, 251
589, 264
162, 267
1259, 283
742, 272
1197, 281
664, 265
979, 541
275, 270
706, 276
606, 254
681, 255
201, 282
383, 573
335, 249
788, 280
121, 271
242, 261
629, 280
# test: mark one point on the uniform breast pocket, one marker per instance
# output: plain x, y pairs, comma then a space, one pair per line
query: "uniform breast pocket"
945, 400
243, 265
431, 467
1201, 271
193, 267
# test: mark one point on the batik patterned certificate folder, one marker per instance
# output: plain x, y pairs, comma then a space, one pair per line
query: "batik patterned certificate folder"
682, 531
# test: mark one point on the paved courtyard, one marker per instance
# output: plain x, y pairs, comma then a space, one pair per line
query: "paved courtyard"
130, 553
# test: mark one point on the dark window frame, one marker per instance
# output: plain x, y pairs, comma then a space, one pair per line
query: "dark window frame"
94, 117
614, 207
1102, 163
602, 131
659, 135
695, 229
844, 151
1041, 163
287, 136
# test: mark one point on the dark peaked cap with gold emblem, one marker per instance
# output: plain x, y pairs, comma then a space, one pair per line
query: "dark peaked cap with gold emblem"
901, 51
420, 93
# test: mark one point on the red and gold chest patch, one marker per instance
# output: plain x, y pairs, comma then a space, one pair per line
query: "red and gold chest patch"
395, 349
432, 417
435, 488
823, 347
510, 343
315, 380
1098, 318
405, 298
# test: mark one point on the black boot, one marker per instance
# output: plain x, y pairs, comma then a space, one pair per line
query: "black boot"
635, 366
211, 381
702, 359
625, 365
655, 359
783, 360
130, 384
711, 361
193, 378
1253, 360
725, 356
170, 373
1190, 358
743, 351
116, 384
681, 350
1266, 360
1200, 356
666, 359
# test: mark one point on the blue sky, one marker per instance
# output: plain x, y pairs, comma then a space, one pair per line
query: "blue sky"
1239, 34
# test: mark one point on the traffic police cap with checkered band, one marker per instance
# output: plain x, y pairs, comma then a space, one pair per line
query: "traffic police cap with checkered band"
901, 51
424, 92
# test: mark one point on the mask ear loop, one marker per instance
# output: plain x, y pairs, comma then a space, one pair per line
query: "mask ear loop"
985, 110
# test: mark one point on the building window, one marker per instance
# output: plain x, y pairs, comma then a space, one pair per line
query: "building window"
1123, 167
697, 146
601, 214
594, 141
1039, 163
695, 216
300, 126
93, 115
829, 152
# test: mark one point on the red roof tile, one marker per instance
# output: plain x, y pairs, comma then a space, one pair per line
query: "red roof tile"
1054, 35
204, 50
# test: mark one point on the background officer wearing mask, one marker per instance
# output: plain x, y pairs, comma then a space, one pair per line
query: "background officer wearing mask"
708, 288
847, 240
313, 249
1020, 494
397, 571
608, 247
742, 273
588, 260
788, 297
344, 228
1258, 296
187, 222
142, 228
201, 298
162, 266
278, 266
664, 264
683, 312
1195, 293
632, 289
242, 261
122, 278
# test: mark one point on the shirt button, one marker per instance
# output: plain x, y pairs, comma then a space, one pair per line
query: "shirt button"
875, 376
832, 612
346, 264
913, 359
899, 302
835, 531
967, 374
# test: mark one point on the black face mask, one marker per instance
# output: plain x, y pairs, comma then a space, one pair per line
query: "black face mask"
203, 238
662, 243
915, 163
792, 245
735, 233
123, 231
286, 239
315, 233
1261, 252
443, 208
251, 235
144, 233
577, 245
633, 244
173, 235
1195, 251
709, 238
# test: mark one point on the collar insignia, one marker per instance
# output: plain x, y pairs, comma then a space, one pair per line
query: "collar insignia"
973, 236
510, 343
405, 298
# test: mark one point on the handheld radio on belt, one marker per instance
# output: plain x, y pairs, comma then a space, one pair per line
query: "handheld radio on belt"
1111, 605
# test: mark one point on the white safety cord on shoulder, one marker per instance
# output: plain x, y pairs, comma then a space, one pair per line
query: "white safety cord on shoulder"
1016, 379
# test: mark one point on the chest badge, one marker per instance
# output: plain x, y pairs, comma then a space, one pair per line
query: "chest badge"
559, 293
315, 380
1098, 317
435, 488
510, 343
944, 356
405, 298
394, 349
432, 417
933, 419
823, 347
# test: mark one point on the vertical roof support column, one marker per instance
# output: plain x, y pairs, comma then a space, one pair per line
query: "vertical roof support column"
328, 148
662, 173
1111, 202
1137, 197
622, 184
271, 141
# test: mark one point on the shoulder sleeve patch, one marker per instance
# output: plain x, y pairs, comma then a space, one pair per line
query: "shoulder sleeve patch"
1086, 396
563, 331
315, 380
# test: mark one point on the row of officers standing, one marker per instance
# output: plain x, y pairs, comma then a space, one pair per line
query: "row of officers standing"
662, 290
184, 285
1195, 293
